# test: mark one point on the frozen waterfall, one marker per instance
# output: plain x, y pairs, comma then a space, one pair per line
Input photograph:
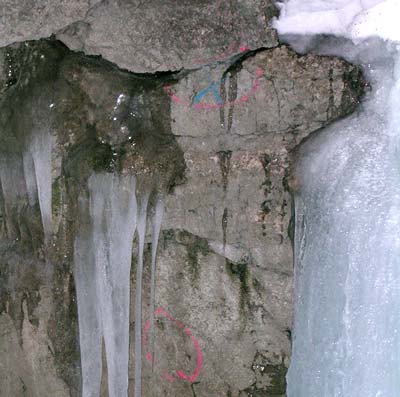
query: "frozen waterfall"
347, 219
347, 270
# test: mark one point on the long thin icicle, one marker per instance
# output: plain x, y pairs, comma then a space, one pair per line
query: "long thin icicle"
158, 216
141, 228
103, 249
89, 315
30, 178
114, 210
41, 148
14, 193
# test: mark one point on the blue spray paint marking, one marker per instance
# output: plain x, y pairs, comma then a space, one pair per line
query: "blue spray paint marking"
214, 89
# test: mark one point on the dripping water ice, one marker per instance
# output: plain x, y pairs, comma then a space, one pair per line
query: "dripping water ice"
102, 272
27, 179
138, 300
39, 155
102, 256
347, 214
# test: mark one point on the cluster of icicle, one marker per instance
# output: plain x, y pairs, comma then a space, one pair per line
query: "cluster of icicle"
26, 179
102, 255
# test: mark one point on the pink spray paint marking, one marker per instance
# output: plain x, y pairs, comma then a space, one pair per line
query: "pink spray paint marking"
211, 106
178, 374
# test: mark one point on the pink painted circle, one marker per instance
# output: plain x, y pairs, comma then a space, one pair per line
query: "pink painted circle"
179, 373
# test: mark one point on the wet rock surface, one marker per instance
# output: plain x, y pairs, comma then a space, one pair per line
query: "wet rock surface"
56, 130
219, 138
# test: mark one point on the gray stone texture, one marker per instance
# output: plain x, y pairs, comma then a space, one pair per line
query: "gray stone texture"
223, 130
145, 36
160, 35
33, 19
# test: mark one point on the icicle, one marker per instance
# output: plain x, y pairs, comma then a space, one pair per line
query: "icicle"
141, 227
122, 230
30, 178
41, 149
102, 270
158, 215
14, 193
113, 210
103, 249
89, 316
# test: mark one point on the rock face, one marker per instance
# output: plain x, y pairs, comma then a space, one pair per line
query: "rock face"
225, 257
30, 19
149, 36
218, 137
146, 36
234, 210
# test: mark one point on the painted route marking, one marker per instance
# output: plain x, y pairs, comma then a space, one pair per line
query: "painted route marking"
213, 88
178, 374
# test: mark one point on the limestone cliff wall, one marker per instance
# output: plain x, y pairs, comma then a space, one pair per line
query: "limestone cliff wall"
221, 123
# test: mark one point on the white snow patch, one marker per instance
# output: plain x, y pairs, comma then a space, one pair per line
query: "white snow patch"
354, 19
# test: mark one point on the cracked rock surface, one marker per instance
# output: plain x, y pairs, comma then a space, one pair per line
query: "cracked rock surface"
145, 36
31, 19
